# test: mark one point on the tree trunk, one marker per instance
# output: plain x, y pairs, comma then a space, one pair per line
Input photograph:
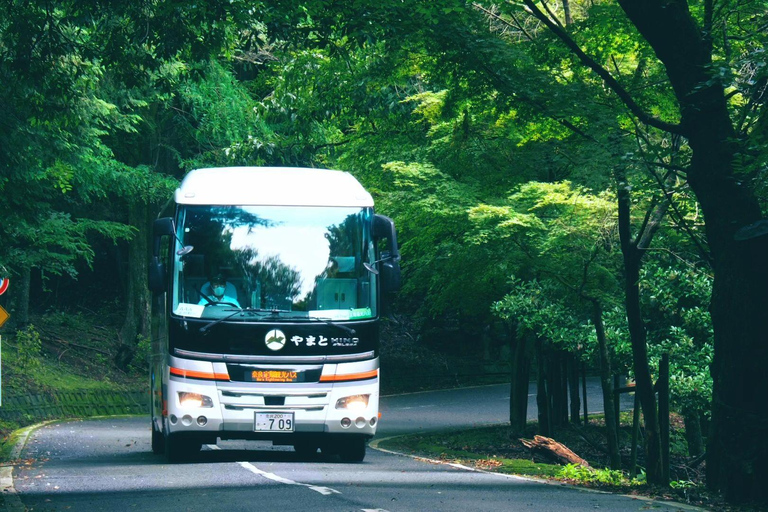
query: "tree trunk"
558, 397
644, 382
564, 386
611, 430
663, 387
584, 393
737, 447
573, 387
542, 395
518, 392
693, 431
137, 305
567, 12
554, 450
737, 450
635, 436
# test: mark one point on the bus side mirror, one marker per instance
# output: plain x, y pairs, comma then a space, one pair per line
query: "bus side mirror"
162, 227
389, 276
389, 266
158, 277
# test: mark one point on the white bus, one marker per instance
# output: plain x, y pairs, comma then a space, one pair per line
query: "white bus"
286, 347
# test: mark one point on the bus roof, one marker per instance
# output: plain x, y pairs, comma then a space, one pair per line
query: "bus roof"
279, 186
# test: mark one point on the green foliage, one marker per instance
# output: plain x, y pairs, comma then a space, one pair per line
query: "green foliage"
585, 475
431, 211
561, 239
78, 111
683, 484
677, 302
486, 140
221, 119
534, 309
560, 232
140, 359
28, 345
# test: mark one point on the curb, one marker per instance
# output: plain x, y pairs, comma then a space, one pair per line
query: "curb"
7, 490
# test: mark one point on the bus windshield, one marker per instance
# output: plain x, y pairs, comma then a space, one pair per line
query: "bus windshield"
299, 261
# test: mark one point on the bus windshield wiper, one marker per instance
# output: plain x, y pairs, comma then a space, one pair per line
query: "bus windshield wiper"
267, 312
273, 313
327, 321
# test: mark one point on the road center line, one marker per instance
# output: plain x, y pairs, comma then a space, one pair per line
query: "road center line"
325, 491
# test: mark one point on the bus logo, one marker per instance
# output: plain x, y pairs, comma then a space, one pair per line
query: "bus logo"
275, 340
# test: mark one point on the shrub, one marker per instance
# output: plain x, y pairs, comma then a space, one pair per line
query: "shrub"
28, 345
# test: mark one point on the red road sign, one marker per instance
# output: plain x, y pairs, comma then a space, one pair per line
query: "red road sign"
3, 284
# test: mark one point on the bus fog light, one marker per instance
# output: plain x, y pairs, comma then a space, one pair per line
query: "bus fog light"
202, 421
373, 421
353, 403
194, 400
346, 422
186, 420
360, 422
173, 419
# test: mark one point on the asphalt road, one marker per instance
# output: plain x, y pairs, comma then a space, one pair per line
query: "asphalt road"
482, 405
107, 464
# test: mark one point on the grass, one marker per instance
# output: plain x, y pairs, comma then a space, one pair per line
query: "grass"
473, 447
496, 448
58, 353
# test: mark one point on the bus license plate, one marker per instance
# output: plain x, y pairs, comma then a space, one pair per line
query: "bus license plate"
273, 422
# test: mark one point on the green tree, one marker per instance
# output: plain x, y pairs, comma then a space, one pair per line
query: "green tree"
562, 236
698, 66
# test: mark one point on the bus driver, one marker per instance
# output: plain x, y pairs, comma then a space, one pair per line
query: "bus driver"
218, 292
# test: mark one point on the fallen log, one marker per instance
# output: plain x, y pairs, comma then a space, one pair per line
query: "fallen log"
554, 450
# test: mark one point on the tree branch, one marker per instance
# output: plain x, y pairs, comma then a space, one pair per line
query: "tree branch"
501, 20
677, 216
603, 73
551, 14
500, 82
652, 223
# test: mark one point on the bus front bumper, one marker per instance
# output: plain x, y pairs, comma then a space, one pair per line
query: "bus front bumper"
231, 410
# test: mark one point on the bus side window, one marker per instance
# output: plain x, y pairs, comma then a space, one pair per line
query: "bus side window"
256, 295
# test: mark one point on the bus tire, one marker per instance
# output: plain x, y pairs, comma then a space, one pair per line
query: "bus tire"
158, 441
352, 449
179, 449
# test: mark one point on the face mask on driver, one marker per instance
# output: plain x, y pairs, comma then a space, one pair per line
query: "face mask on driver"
218, 291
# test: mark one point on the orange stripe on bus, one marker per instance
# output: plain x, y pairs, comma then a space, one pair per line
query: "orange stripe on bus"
350, 376
198, 375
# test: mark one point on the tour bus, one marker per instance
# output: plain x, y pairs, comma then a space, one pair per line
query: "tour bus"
267, 287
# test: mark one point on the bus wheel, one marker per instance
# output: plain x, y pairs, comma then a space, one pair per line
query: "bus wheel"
158, 441
179, 449
352, 450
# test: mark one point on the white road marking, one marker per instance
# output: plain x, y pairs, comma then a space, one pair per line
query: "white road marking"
325, 491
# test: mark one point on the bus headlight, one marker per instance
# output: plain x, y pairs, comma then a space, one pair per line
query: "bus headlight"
353, 403
194, 400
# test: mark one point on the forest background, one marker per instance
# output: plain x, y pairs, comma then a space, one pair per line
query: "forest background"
573, 182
